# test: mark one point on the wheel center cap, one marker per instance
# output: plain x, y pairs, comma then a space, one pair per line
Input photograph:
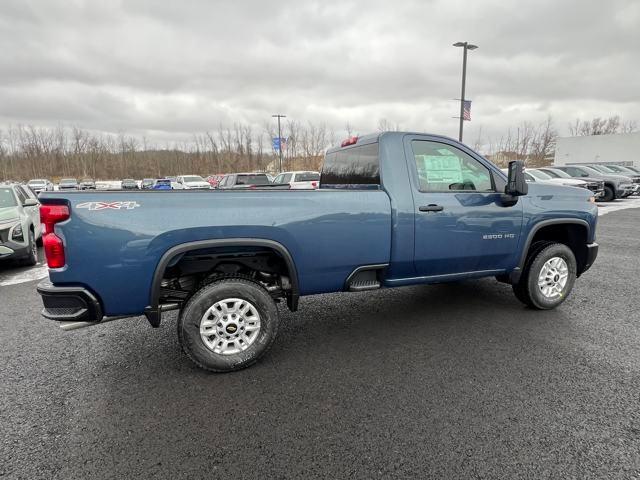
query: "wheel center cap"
232, 328
556, 278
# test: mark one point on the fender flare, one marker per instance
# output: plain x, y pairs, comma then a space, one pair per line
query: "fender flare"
515, 275
153, 311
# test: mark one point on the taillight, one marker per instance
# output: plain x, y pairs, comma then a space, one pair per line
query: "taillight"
52, 214
314, 184
53, 245
54, 250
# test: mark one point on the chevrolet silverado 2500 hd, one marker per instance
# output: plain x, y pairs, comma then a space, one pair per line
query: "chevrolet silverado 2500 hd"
392, 209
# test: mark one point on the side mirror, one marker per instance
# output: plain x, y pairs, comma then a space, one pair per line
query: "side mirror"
30, 202
516, 183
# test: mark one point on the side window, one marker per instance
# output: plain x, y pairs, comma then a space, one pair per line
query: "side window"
286, 178
21, 195
354, 167
444, 168
278, 179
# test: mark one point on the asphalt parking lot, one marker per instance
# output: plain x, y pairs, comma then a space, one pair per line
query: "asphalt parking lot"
447, 381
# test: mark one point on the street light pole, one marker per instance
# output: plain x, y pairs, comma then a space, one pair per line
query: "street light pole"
465, 46
278, 116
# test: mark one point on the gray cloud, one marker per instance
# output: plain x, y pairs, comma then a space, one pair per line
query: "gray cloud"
167, 69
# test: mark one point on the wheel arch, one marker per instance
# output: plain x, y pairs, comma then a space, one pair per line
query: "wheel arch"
153, 311
573, 232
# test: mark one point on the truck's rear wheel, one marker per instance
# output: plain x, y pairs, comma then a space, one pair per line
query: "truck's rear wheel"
548, 276
228, 325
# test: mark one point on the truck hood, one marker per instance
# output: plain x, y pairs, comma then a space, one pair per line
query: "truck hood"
8, 214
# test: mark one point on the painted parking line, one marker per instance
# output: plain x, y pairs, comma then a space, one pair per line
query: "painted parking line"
35, 273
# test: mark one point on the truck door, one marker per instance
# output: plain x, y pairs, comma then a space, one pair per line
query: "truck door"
461, 224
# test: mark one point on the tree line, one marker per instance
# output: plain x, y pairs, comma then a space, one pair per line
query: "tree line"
35, 152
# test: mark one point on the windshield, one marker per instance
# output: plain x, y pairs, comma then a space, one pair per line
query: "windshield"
252, 180
539, 175
36, 182
602, 168
7, 198
163, 182
557, 173
68, 180
591, 170
193, 178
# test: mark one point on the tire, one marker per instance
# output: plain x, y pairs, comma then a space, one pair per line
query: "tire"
206, 310
609, 194
32, 258
562, 261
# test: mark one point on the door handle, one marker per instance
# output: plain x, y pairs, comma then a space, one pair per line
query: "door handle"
432, 207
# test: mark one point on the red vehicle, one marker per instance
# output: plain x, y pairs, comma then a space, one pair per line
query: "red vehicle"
214, 180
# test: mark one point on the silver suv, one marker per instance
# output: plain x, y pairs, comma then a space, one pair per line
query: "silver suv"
20, 228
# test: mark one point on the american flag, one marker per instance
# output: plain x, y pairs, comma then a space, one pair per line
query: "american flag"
466, 110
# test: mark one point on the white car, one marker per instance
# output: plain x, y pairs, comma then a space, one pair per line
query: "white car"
299, 180
20, 226
544, 177
193, 182
40, 185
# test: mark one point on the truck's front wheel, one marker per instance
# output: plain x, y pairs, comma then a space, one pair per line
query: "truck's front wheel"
548, 276
228, 325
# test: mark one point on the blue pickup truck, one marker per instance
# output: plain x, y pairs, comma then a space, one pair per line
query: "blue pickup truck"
392, 209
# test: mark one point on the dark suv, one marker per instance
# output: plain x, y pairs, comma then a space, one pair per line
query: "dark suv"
593, 184
615, 186
619, 170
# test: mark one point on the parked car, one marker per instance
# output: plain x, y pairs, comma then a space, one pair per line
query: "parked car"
615, 186
302, 180
609, 171
567, 182
68, 184
243, 180
147, 183
193, 182
633, 169
596, 186
214, 180
20, 227
40, 185
129, 184
87, 184
175, 185
162, 184
395, 209
620, 170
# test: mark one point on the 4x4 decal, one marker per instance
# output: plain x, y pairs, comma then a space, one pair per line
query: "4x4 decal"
108, 205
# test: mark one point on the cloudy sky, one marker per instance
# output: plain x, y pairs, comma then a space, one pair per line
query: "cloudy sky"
166, 69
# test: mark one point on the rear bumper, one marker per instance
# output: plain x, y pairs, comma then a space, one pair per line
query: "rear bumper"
592, 254
64, 303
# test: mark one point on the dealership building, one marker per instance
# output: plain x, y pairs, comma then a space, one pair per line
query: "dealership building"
621, 149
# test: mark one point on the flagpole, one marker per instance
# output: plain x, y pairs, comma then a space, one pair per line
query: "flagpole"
279, 116
465, 46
